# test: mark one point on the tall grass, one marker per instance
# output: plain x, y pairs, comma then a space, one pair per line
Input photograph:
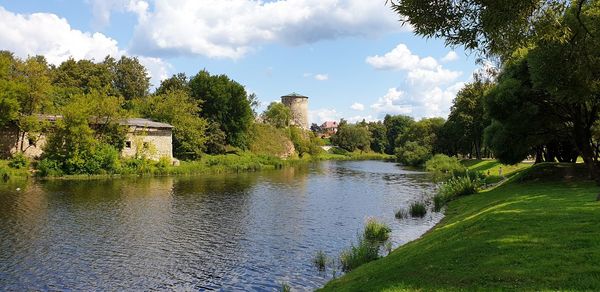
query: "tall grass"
320, 260
376, 231
418, 209
455, 187
375, 235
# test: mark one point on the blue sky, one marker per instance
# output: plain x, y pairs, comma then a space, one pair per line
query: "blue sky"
351, 57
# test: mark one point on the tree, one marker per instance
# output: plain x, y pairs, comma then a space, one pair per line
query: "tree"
177, 108
396, 126
352, 137
379, 141
225, 102
315, 128
494, 28
131, 78
177, 82
413, 154
10, 89
468, 114
278, 115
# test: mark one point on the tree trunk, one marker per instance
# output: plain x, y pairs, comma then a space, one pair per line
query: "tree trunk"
582, 135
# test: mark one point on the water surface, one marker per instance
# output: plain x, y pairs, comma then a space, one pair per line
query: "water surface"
249, 231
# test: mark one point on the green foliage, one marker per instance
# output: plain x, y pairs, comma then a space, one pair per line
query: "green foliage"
455, 187
352, 137
379, 141
442, 165
413, 154
177, 82
224, 101
182, 112
49, 168
417, 209
215, 139
18, 161
359, 254
320, 260
268, 140
278, 115
131, 78
376, 231
401, 214
396, 126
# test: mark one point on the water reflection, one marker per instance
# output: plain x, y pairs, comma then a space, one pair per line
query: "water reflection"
234, 232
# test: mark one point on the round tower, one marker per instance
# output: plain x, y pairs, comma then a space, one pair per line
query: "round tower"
298, 104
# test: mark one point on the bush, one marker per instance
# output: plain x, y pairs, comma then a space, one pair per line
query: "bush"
441, 164
18, 161
320, 260
456, 187
49, 167
376, 231
413, 154
401, 214
359, 254
418, 209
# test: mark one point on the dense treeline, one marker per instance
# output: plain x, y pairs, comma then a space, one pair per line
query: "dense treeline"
208, 112
545, 99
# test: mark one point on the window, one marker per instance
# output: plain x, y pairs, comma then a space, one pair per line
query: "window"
127, 144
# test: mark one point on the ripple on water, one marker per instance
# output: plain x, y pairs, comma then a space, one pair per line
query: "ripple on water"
243, 232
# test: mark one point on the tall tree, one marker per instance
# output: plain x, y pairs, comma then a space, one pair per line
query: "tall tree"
396, 126
177, 82
131, 77
225, 102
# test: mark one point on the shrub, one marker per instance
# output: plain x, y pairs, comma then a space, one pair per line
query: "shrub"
418, 209
443, 165
320, 260
18, 161
4, 173
361, 253
338, 151
401, 214
413, 154
456, 187
376, 231
49, 167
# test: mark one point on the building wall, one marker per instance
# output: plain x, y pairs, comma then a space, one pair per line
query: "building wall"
299, 108
149, 142
10, 143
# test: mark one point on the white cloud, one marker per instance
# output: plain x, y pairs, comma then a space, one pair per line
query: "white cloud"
53, 37
322, 115
430, 87
231, 29
451, 56
49, 35
157, 69
102, 9
392, 103
358, 106
321, 77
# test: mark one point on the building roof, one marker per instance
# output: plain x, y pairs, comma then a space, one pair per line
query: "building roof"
139, 122
329, 124
293, 94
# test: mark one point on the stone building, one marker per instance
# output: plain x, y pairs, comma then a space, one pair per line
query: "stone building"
144, 137
298, 104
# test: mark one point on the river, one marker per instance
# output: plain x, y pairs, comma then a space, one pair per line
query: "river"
251, 231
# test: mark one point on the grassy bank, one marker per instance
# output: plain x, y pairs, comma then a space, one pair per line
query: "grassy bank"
491, 168
539, 231
7, 172
208, 164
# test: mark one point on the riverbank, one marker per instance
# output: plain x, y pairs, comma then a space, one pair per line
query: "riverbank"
208, 164
535, 232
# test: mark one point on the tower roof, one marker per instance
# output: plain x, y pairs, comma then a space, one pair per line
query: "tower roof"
293, 94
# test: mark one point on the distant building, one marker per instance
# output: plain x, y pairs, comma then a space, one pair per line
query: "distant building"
298, 104
144, 137
329, 128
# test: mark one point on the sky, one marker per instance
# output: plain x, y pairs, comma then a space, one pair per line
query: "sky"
354, 59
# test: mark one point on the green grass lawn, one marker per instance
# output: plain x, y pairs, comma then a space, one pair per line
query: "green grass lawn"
539, 231
492, 167
10, 172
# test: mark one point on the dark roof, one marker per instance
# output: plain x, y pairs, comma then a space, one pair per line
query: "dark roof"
139, 122
293, 94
